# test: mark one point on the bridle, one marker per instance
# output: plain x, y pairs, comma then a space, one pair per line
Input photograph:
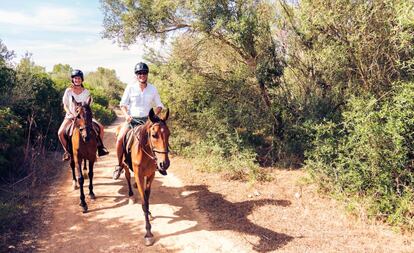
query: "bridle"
78, 116
153, 150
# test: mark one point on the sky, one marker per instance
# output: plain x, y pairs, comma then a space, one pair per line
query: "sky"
67, 32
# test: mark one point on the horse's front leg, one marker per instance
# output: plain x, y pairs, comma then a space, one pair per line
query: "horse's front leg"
90, 174
78, 163
144, 192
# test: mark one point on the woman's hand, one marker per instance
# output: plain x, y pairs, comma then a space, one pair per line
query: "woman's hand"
128, 118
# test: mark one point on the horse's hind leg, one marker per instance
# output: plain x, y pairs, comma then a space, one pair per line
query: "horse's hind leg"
128, 179
74, 181
90, 174
85, 175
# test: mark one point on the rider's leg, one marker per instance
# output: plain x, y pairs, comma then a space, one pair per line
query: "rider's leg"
101, 148
61, 135
119, 150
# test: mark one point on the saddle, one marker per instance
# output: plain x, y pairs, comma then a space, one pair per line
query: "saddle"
129, 137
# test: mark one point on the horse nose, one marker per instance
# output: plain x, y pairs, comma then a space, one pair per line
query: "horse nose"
164, 164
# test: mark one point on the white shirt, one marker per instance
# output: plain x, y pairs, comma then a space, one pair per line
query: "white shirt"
139, 102
80, 98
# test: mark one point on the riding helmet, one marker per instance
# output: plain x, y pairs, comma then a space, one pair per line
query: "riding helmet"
77, 72
141, 67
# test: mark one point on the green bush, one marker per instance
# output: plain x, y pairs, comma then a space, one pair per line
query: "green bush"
370, 155
11, 136
103, 115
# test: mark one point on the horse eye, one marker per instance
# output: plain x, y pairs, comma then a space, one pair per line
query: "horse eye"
155, 136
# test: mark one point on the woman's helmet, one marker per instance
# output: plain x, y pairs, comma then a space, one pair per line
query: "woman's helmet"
77, 72
141, 68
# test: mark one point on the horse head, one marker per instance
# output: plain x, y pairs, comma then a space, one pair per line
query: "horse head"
158, 134
83, 118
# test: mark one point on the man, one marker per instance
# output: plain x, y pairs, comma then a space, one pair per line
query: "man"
136, 102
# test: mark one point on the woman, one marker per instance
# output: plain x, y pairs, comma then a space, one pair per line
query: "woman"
77, 91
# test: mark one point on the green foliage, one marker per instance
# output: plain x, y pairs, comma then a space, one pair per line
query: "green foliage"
215, 113
106, 85
102, 114
370, 155
11, 135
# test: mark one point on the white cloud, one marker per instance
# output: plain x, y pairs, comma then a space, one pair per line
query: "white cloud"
47, 19
85, 56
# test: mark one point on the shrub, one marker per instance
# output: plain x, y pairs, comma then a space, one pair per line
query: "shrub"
11, 135
369, 156
102, 114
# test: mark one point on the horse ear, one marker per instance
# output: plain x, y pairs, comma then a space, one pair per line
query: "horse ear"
152, 116
167, 114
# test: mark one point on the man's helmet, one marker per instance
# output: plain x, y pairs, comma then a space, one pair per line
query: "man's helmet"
77, 72
141, 68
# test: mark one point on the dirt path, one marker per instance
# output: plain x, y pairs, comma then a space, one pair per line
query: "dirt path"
114, 225
198, 212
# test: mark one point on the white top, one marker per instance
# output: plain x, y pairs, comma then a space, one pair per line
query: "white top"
138, 102
80, 98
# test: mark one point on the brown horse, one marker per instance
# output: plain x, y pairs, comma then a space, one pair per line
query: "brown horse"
148, 153
84, 147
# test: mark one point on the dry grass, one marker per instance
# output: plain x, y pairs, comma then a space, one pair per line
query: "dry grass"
24, 200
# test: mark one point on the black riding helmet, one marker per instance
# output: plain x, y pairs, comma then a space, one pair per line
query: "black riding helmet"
76, 72
141, 68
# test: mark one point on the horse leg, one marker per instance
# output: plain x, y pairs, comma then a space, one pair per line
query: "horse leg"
147, 193
149, 237
130, 192
81, 181
90, 174
74, 181
85, 175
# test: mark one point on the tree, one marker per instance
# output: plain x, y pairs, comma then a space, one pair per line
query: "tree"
243, 25
105, 81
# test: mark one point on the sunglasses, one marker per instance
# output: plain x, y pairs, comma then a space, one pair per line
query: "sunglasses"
142, 73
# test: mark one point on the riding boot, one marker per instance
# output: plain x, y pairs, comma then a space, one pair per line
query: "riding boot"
101, 148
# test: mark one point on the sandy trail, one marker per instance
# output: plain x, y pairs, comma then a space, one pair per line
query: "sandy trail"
114, 225
203, 212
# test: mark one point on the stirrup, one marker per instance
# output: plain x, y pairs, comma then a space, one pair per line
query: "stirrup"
117, 172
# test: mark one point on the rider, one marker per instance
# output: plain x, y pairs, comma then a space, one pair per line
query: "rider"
136, 102
80, 94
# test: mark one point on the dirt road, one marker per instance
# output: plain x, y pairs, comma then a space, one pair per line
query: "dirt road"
199, 212
114, 225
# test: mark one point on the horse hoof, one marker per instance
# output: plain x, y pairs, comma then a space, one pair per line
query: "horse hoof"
149, 241
92, 196
85, 209
131, 201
